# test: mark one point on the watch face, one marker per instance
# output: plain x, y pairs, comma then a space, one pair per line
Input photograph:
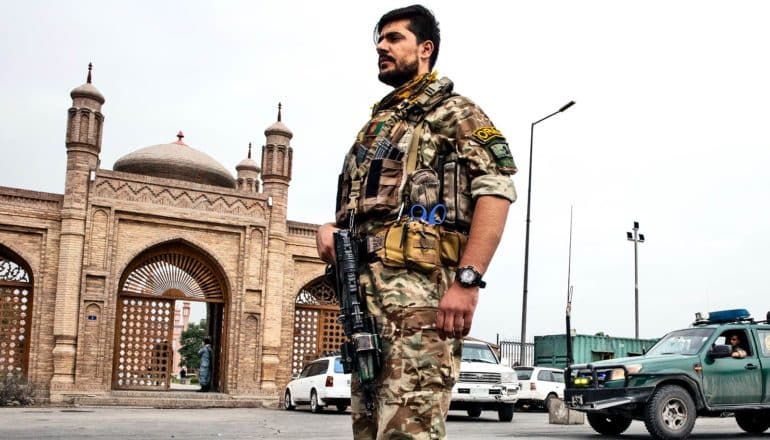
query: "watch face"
467, 276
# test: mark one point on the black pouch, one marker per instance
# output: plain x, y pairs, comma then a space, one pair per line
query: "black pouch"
381, 187
343, 191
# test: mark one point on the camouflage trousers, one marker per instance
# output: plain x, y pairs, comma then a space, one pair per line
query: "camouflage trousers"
414, 387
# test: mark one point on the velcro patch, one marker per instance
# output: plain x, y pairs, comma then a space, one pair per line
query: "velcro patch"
502, 155
485, 135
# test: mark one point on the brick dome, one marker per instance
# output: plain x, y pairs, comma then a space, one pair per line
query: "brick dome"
176, 160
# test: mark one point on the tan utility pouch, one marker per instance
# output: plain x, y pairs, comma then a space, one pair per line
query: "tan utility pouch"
418, 245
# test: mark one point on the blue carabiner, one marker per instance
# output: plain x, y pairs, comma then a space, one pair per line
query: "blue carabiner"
429, 217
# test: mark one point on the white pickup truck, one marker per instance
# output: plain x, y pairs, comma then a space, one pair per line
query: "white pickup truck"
484, 384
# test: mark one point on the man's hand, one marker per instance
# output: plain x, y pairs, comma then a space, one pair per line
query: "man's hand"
455, 311
324, 242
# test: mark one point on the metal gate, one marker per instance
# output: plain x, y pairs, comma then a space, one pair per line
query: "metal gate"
15, 308
316, 330
144, 340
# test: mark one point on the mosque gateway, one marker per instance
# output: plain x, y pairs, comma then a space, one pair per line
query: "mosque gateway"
96, 284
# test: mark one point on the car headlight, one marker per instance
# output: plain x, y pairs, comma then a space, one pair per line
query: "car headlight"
620, 374
508, 377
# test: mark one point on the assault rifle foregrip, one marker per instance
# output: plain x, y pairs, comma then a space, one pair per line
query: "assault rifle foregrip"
361, 351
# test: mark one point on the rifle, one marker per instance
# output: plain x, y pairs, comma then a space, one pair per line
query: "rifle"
361, 351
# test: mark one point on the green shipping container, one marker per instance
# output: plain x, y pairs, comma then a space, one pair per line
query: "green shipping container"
551, 350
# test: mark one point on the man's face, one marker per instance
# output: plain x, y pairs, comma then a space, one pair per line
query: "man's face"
398, 54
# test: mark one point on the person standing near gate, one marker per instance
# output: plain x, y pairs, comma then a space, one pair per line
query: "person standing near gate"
426, 187
207, 358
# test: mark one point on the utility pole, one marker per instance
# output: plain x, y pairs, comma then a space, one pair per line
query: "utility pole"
523, 349
637, 238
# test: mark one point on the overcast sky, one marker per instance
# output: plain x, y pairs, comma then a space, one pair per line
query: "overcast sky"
670, 128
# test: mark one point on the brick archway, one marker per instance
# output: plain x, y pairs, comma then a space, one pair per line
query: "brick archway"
316, 330
148, 288
15, 313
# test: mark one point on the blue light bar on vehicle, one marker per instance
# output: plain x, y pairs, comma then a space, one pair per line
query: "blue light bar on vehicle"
729, 315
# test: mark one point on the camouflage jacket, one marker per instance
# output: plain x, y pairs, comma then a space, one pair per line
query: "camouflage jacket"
460, 156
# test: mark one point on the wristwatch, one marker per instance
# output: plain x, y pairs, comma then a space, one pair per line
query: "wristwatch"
468, 276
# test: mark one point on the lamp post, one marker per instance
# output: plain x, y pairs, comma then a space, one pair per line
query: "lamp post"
526, 238
637, 238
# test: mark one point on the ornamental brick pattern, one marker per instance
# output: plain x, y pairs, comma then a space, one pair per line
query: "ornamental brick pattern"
80, 246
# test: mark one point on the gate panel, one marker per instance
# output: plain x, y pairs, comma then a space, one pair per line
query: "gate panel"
316, 331
144, 337
14, 329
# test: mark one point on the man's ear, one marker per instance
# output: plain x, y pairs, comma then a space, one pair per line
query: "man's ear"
426, 49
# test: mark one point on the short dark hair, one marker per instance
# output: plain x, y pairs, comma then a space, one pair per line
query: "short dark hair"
422, 23
207, 340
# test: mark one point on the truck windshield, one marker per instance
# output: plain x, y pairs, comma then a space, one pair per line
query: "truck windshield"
688, 341
478, 353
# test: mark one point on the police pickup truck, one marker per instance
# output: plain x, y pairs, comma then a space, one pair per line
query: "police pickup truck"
718, 366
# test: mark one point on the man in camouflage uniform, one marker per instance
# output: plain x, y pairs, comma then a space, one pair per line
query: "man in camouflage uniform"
421, 315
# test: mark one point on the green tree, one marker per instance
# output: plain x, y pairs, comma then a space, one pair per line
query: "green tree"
192, 341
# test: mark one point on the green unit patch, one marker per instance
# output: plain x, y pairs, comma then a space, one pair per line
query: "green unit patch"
502, 155
485, 135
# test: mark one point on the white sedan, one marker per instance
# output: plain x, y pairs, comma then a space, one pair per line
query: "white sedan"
321, 383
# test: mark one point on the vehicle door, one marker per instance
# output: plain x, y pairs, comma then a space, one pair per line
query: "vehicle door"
318, 377
301, 388
731, 381
545, 384
558, 377
763, 341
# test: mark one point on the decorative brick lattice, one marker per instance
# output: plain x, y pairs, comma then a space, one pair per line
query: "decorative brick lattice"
316, 330
144, 350
172, 197
15, 308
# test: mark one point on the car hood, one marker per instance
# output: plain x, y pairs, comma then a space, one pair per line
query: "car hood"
649, 363
483, 367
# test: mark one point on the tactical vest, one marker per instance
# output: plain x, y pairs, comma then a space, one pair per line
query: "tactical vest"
381, 177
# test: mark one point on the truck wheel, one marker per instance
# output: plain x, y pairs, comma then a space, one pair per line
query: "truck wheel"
754, 422
474, 412
670, 413
505, 412
608, 424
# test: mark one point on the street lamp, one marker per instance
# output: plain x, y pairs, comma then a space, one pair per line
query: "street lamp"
526, 239
636, 238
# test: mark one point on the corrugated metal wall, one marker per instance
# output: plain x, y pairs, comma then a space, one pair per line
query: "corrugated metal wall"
551, 350
510, 353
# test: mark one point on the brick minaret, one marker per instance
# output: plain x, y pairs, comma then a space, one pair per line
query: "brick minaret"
276, 175
248, 174
84, 142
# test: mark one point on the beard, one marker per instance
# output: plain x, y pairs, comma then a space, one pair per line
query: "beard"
400, 75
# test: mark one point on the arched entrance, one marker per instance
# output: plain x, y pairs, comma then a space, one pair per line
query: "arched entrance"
316, 330
148, 289
15, 313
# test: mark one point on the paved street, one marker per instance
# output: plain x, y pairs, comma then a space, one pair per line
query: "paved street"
242, 423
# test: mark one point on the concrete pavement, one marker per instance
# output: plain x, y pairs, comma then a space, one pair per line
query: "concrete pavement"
112, 423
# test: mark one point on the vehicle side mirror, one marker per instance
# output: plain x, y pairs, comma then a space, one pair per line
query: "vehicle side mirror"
720, 351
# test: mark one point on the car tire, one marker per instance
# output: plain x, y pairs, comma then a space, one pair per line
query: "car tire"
753, 422
341, 408
474, 412
670, 413
287, 405
547, 402
505, 412
315, 407
607, 424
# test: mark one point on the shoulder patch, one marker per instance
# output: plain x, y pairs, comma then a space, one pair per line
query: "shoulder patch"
485, 135
502, 155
